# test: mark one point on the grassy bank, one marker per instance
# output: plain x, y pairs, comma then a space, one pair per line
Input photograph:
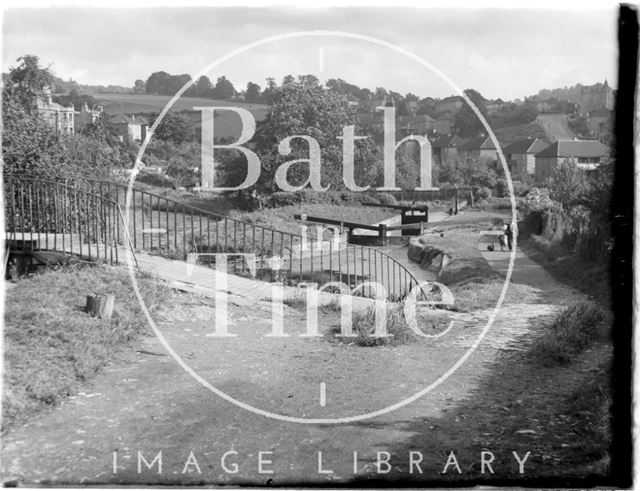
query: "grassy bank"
560, 414
589, 277
52, 346
471, 280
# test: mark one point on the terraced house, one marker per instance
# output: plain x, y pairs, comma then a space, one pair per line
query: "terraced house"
446, 148
521, 156
587, 154
479, 148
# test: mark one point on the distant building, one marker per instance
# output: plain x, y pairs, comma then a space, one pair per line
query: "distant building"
545, 106
87, 116
450, 104
444, 124
129, 128
405, 125
587, 154
595, 97
353, 102
494, 107
480, 148
520, 156
446, 148
60, 118
415, 125
373, 121
412, 106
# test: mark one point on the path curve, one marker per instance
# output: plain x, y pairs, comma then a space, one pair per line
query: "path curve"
147, 404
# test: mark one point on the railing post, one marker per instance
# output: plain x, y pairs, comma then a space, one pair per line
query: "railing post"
382, 234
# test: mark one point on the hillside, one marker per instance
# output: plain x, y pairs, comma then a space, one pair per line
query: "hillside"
509, 134
556, 126
226, 122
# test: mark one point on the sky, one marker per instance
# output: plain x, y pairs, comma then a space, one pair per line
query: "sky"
502, 53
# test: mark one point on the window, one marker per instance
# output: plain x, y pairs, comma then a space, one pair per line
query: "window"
588, 160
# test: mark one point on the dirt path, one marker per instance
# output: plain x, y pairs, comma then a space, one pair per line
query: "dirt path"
146, 403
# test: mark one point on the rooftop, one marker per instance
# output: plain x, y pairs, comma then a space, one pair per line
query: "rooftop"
448, 141
125, 119
415, 119
600, 113
574, 148
526, 145
44, 104
479, 143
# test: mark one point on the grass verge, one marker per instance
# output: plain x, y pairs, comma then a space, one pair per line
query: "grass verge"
589, 277
573, 331
52, 346
471, 280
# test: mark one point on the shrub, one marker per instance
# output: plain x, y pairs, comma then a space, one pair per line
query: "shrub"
154, 179
483, 193
309, 196
520, 188
364, 325
368, 199
387, 199
573, 331
297, 301
282, 198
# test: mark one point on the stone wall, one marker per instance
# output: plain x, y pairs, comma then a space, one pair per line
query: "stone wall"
428, 257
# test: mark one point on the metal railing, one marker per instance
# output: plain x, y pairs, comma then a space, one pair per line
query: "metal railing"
90, 217
47, 215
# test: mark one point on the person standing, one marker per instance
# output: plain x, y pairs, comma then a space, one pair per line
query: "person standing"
509, 233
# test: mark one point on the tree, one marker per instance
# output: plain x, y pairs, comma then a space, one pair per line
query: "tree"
466, 122
176, 82
75, 99
568, 184
157, 82
380, 93
308, 80
580, 126
477, 173
600, 186
407, 166
224, 89
269, 90
402, 109
203, 87
288, 80
175, 128
253, 92
28, 79
182, 171
139, 87
166, 84
321, 114
411, 97
29, 145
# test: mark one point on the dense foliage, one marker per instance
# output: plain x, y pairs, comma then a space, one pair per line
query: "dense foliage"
30, 146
